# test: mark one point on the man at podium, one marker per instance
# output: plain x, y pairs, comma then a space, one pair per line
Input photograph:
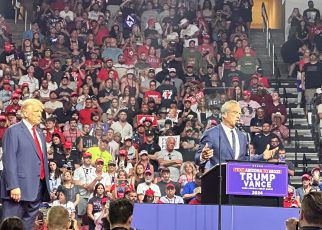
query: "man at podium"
224, 141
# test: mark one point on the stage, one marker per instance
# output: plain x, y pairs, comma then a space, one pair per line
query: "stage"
204, 217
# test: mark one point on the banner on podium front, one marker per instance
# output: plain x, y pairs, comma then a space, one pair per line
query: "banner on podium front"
256, 179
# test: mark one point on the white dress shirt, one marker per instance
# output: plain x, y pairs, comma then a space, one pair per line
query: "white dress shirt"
29, 127
230, 139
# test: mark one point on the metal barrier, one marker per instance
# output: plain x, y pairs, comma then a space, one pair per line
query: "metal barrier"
297, 145
18, 7
269, 40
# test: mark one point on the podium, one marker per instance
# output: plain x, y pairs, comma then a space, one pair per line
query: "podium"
246, 183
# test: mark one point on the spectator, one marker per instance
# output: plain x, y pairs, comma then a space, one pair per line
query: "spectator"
278, 129
170, 197
122, 126
261, 140
68, 159
311, 15
289, 201
276, 107
69, 188
310, 214
100, 151
310, 79
248, 64
187, 173
120, 214
165, 180
171, 158
248, 108
83, 177
257, 122
316, 180
304, 189
54, 177
61, 201
86, 141
148, 185
11, 223
189, 145
138, 175
94, 204
188, 192
123, 162
91, 105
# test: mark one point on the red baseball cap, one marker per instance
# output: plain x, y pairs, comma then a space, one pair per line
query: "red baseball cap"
15, 96
149, 192
247, 92
99, 160
123, 152
87, 154
68, 145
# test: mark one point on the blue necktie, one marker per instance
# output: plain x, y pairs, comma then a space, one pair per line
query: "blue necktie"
234, 142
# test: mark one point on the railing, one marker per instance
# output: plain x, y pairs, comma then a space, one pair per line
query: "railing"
297, 146
17, 5
269, 40
304, 162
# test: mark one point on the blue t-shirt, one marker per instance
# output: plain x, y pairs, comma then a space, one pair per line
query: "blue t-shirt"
188, 189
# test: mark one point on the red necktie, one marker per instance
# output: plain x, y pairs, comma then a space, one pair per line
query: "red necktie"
42, 168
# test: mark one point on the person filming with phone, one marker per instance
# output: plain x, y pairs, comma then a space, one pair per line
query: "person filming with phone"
310, 214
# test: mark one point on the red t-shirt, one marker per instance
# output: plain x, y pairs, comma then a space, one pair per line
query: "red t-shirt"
104, 73
153, 61
85, 115
103, 32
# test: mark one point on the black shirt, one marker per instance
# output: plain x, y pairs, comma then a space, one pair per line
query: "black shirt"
162, 185
313, 73
168, 94
103, 93
260, 142
63, 160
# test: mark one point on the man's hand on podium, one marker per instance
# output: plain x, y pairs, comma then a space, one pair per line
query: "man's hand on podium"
269, 153
207, 153
291, 223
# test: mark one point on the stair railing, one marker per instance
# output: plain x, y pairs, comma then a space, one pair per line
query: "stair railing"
304, 163
18, 6
269, 39
297, 145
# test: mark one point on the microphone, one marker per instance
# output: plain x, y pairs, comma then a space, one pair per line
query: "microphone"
240, 126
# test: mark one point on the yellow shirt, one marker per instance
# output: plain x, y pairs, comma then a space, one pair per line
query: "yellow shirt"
97, 153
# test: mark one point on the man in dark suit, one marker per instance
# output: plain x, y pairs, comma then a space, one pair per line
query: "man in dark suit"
224, 141
24, 181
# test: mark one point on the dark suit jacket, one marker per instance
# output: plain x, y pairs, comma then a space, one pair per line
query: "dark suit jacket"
215, 135
21, 163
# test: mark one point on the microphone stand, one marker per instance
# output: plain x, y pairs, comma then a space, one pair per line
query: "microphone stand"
220, 186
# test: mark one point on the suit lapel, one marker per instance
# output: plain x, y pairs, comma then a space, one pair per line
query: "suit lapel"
225, 142
242, 143
29, 137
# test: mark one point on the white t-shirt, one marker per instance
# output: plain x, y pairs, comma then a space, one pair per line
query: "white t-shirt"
143, 187
69, 206
85, 175
175, 200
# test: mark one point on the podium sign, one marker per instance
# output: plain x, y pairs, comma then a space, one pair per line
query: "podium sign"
256, 179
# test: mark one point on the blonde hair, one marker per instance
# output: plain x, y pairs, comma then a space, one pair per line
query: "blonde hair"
226, 106
57, 218
184, 166
30, 102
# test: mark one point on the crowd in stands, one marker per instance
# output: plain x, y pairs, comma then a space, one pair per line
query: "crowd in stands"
128, 89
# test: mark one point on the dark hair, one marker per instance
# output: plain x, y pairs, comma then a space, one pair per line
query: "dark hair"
12, 223
120, 211
95, 188
57, 170
312, 207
